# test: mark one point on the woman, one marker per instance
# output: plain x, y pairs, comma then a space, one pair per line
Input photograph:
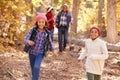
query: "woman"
50, 19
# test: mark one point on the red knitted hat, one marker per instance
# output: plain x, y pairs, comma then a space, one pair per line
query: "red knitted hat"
41, 16
97, 28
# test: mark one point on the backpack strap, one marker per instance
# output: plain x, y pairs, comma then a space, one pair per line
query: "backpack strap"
27, 48
47, 38
33, 34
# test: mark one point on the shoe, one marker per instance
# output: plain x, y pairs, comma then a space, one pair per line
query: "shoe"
64, 49
60, 52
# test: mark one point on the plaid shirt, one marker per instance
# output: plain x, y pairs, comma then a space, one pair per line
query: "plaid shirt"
38, 47
66, 19
63, 20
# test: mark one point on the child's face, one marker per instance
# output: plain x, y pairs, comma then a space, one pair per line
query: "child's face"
41, 23
94, 34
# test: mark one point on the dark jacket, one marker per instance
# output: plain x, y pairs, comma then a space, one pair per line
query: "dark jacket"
68, 15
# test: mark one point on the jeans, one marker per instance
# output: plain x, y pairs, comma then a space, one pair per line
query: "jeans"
91, 76
35, 62
62, 37
52, 34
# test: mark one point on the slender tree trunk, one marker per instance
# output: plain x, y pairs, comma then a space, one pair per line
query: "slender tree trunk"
100, 10
75, 10
101, 21
28, 18
52, 2
112, 33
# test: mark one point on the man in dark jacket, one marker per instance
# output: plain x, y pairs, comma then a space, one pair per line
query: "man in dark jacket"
63, 20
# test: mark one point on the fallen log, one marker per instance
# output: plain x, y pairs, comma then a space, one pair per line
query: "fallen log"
111, 47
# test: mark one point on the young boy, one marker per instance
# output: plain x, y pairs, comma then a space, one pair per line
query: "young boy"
96, 53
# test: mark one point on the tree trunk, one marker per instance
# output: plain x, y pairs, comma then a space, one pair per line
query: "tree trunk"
111, 47
29, 18
100, 10
101, 20
52, 2
112, 33
75, 11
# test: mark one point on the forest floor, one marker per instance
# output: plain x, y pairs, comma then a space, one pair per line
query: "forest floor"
14, 65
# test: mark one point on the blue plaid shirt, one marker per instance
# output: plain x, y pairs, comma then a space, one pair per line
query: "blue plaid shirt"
66, 19
63, 20
38, 47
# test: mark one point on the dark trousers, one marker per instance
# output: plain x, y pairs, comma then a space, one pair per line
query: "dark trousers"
91, 76
52, 33
35, 62
62, 37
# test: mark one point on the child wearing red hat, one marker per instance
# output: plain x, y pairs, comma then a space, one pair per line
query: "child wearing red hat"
38, 48
96, 53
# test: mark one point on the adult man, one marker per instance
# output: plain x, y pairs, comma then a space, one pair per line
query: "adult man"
63, 20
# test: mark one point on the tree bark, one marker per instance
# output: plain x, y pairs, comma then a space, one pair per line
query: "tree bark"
101, 19
112, 33
29, 18
100, 10
75, 11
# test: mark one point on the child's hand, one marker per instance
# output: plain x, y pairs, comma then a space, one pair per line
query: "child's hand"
79, 60
55, 54
31, 43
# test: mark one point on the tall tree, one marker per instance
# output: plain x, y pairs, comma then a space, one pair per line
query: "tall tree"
101, 21
75, 10
29, 18
112, 33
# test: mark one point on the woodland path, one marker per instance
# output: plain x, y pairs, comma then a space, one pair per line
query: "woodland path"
14, 65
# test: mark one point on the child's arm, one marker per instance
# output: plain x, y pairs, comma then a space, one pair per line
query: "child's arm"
51, 43
83, 54
49, 17
52, 46
104, 53
26, 40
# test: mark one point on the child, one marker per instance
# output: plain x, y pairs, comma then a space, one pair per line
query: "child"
95, 52
50, 18
37, 52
